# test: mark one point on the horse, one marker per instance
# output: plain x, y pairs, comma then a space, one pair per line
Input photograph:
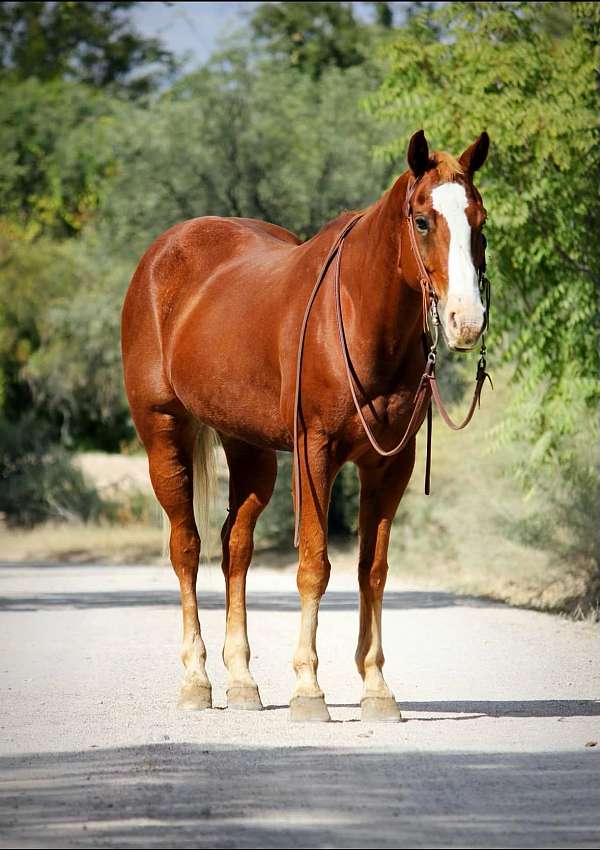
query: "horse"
218, 343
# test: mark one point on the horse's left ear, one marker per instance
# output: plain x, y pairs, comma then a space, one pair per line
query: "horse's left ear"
418, 154
474, 157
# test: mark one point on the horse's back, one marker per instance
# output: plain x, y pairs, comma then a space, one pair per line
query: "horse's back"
211, 240
186, 255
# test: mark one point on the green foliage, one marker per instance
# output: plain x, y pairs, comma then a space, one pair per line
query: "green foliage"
276, 525
75, 373
232, 139
237, 140
59, 340
55, 154
37, 479
93, 43
565, 521
59, 365
37, 276
343, 510
498, 67
314, 36
272, 128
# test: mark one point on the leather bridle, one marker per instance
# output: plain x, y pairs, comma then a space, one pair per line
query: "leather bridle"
427, 389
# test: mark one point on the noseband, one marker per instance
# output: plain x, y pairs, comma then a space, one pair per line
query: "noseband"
427, 389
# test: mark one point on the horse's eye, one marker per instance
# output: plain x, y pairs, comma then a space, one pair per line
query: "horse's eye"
422, 224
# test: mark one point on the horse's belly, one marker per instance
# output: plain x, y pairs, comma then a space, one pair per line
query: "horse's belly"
241, 414
232, 389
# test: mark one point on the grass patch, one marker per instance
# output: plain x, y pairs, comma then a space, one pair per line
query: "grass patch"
80, 544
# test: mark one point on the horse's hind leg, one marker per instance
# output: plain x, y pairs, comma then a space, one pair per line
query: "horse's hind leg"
252, 474
381, 489
169, 441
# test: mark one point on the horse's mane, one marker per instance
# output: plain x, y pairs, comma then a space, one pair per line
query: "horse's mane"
447, 166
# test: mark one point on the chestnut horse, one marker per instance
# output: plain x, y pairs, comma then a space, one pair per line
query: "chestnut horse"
210, 337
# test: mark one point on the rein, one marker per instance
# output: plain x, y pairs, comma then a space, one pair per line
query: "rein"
427, 389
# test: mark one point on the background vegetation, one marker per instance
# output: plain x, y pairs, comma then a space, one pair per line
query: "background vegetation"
104, 143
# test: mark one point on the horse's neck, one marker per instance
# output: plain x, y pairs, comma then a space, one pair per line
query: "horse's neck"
386, 317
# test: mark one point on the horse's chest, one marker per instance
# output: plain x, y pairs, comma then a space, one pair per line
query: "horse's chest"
386, 415
396, 407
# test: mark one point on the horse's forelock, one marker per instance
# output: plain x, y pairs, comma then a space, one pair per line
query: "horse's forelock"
447, 166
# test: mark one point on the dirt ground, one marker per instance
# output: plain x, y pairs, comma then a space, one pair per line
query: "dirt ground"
499, 747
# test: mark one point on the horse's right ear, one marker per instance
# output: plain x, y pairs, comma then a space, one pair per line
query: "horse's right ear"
418, 154
474, 157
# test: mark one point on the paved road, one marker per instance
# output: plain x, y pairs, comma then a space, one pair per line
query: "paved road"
499, 705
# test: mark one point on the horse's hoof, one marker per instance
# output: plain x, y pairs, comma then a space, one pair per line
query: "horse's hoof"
244, 698
195, 697
379, 710
309, 710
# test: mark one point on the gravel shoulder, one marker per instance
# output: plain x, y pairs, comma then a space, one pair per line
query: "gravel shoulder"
498, 705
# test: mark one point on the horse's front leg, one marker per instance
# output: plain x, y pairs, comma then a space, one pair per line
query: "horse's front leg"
317, 474
381, 488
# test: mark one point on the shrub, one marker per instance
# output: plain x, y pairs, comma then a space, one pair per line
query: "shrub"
38, 482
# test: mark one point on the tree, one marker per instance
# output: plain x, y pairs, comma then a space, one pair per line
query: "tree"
56, 154
532, 82
228, 140
315, 36
75, 373
499, 68
94, 43
241, 141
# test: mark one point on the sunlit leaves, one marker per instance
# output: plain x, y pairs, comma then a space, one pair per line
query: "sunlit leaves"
56, 153
497, 67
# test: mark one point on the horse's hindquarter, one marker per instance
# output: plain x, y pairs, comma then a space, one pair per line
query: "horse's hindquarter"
224, 296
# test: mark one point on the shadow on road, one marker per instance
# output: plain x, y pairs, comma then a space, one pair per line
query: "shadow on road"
334, 600
508, 708
190, 795
472, 710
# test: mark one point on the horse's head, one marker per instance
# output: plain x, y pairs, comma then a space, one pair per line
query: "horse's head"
447, 220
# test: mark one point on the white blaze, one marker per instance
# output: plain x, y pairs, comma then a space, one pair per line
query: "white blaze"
450, 200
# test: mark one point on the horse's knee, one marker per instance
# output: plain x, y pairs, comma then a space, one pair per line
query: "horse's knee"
313, 575
184, 549
372, 575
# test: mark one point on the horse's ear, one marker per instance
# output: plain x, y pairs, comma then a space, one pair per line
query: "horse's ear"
474, 157
418, 154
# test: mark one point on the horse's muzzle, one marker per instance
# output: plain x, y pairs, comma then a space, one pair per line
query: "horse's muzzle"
462, 328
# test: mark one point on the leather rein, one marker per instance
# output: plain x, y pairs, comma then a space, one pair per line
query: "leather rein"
428, 388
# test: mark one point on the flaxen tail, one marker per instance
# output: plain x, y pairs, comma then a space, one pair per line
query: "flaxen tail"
205, 488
